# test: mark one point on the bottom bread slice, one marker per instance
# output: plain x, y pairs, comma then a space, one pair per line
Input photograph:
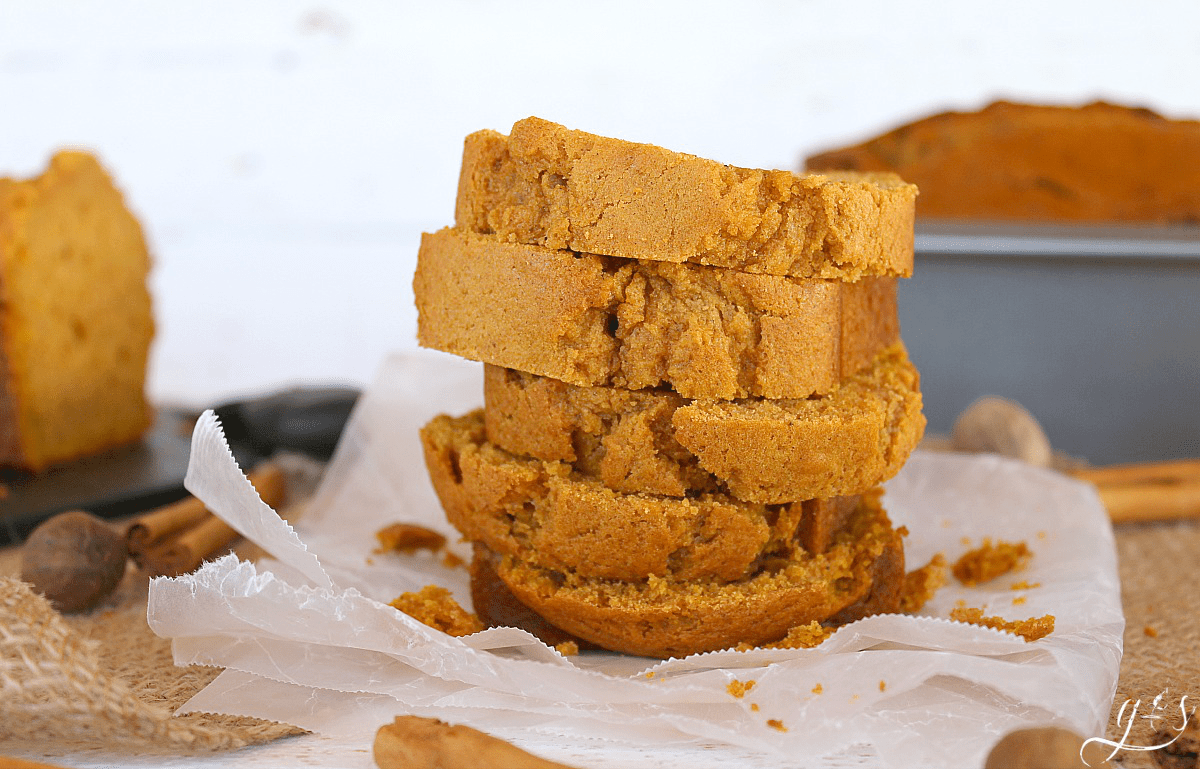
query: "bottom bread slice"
517, 505
861, 574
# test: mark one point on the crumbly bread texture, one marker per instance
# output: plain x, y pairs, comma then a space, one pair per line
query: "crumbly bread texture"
550, 186
545, 512
1098, 162
592, 320
435, 606
769, 451
75, 316
667, 617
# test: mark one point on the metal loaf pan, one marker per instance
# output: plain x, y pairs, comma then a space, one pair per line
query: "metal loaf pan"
1094, 329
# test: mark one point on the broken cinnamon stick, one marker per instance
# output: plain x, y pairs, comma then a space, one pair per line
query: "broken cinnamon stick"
412, 742
1175, 470
175, 540
1146, 502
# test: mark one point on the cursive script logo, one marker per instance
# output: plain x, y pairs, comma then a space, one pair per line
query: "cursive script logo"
1155, 714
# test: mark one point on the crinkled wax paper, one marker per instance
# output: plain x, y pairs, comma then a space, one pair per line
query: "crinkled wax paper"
308, 638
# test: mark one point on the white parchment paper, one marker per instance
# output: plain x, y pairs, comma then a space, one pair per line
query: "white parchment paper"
308, 638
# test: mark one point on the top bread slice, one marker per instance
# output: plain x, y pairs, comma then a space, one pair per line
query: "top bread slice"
76, 321
550, 186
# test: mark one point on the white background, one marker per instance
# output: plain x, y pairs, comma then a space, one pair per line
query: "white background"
284, 157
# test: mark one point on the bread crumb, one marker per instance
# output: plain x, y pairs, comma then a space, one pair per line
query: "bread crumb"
436, 607
920, 584
802, 637
649, 674
883, 686
1150, 631
966, 541
989, 561
738, 689
451, 561
754, 707
1019, 600
408, 538
370, 561
1041, 535
1023, 585
818, 689
1030, 629
567, 648
776, 724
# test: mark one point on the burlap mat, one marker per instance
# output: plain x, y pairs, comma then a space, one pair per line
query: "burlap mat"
104, 680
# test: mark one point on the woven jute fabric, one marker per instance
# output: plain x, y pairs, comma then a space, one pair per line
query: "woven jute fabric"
1160, 591
102, 681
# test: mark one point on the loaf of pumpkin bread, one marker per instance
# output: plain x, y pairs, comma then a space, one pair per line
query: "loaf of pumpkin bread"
592, 320
75, 316
550, 186
1097, 163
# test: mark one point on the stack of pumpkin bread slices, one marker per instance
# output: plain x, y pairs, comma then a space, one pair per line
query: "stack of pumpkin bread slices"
694, 385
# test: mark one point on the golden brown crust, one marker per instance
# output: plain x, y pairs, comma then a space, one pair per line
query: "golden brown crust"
1098, 162
550, 186
566, 520
73, 267
591, 320
496, 606
653, 441
664, 617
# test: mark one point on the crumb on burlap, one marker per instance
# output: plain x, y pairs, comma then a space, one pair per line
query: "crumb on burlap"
1030, 629
436, 607
990, 560
776, 724
567, 648
408, 538
1150, 631
738, 688
920, 584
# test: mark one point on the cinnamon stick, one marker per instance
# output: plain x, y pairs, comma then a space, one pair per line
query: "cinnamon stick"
1141, 472
184, 539
1146, 502
412, 742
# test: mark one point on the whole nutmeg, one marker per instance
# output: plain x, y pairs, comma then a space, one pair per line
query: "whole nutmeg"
1004, 427
1047, 747
74, 559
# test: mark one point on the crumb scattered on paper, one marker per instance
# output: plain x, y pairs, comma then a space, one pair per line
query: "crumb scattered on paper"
738, 689
452, 561
1030, 629
408, 538
991, 560
436, 607
1023, 585
920, 584
567, 648
817, 689
776, 724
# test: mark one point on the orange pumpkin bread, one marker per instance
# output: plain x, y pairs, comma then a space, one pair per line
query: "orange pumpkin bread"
669, 617
591, 320
1099, 162
563, 519
769, 451
550, 186
75, 316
